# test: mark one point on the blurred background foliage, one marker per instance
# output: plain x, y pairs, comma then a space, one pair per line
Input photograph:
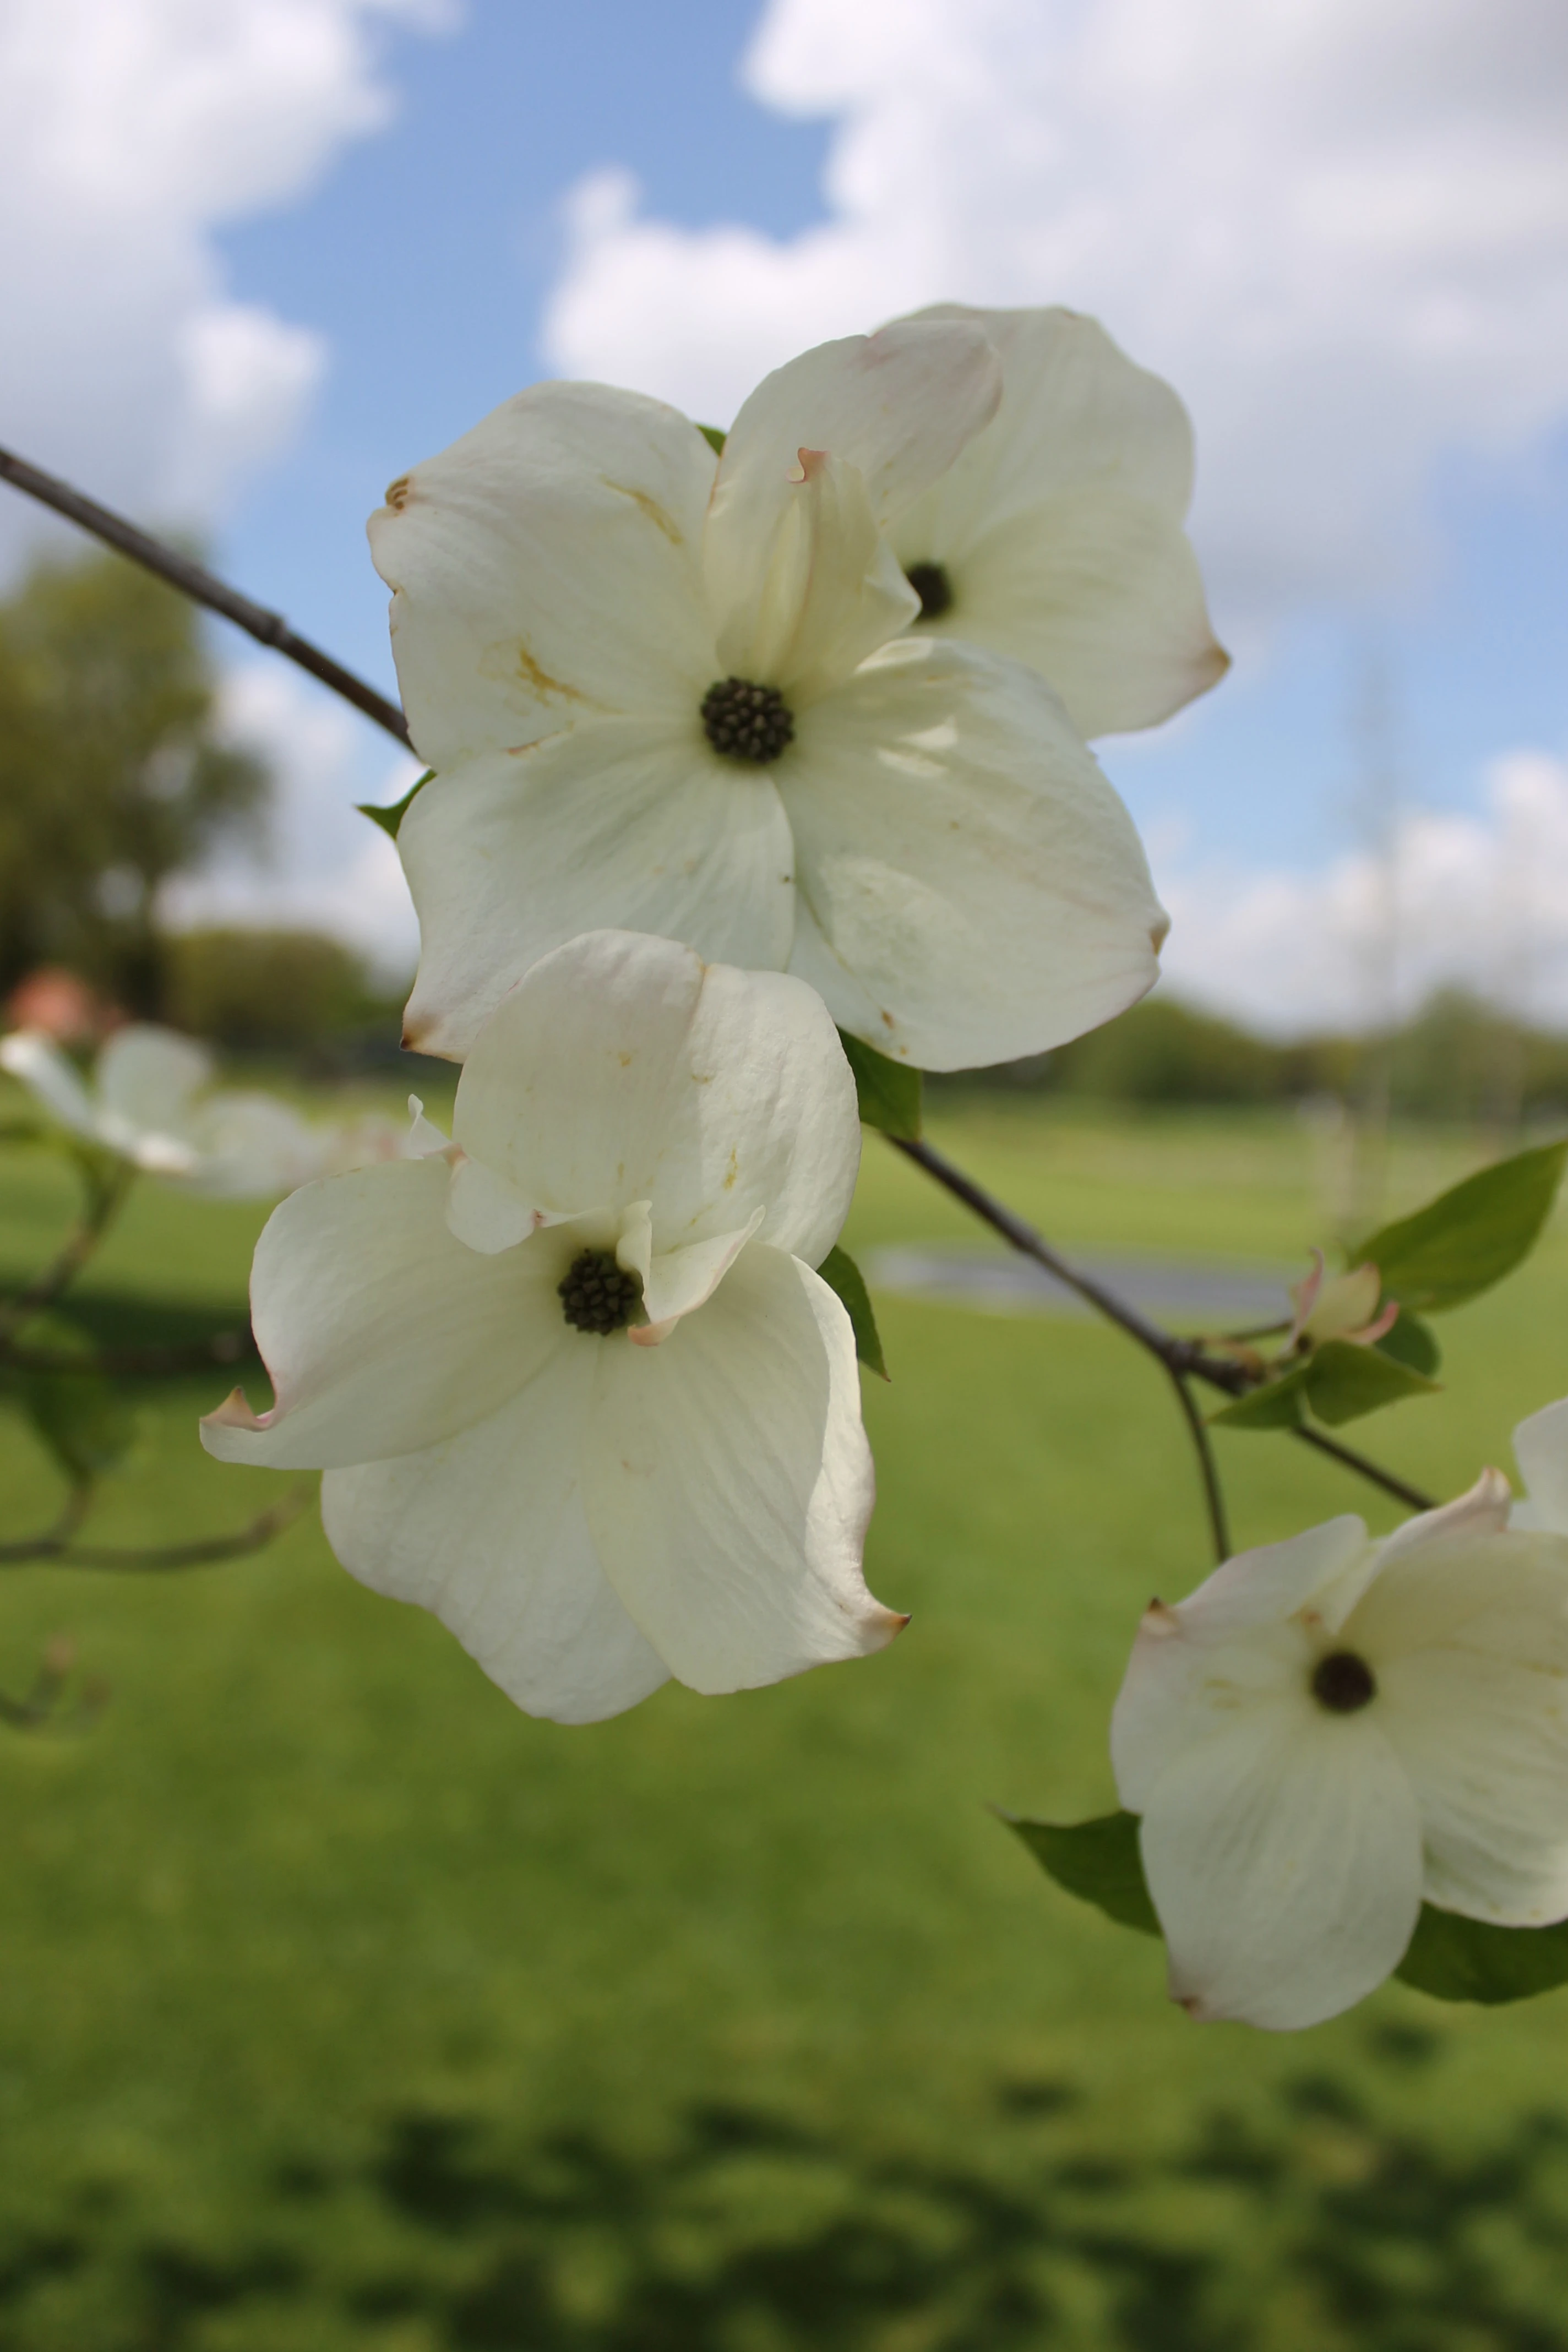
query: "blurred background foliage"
114, 774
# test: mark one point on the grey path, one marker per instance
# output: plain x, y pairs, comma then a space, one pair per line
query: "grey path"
1222, 1293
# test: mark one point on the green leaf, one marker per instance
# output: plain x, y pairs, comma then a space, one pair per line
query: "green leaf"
77, 1415
1097, 1861
389, 819
890, 1092
1344, 1382
1469, 1960
1411, 1341
1276, 1405
1338, 1381
1466, 1239
714, 438
841, 1274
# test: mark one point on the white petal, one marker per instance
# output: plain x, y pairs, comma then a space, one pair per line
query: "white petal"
1467, 1637
623, 1069
1483, 1511
547, 567
823, 594
1252, 1628
487, 1530
966, 860
485, 1211
677, 1282
47, 1073
382, 1333
146, 1078
1059, 526
621, 823
1283, 1856
730, 1482
1540, 1449
897, 406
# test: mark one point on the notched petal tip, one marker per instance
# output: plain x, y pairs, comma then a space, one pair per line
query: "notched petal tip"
233, 1413
1160, 1621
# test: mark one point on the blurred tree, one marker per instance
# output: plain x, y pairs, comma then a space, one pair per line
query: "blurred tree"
112, 776
268, 991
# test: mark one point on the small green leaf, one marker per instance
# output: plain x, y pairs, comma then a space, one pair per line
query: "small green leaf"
714, 438
389, 819
1469, 1238
890, 1092
1469, 1960
841, 1274
1276, 1405
1097, 1861
77, 1415
1411, 1341
1344, 1382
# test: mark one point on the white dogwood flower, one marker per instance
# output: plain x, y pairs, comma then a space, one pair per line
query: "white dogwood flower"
574, 1383
152, 1103
1330, 1730
1055, 534
680, 695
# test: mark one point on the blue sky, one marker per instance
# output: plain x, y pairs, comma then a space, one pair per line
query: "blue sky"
1343, 235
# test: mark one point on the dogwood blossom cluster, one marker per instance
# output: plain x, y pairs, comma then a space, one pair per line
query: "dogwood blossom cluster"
723, 750
1331, 1731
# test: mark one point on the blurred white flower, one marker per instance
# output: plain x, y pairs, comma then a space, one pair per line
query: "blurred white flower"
1055, 534
1329, 1731
151, 1102
574, 1384
682, 696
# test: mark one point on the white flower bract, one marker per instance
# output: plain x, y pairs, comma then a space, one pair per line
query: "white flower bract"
1056, 535
681, 1485
152, 1103
1330, 1730
923, 834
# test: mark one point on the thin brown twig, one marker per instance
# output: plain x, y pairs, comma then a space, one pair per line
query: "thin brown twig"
58, 1549
109, 1198
224, 1348
204, 587
1182, 1358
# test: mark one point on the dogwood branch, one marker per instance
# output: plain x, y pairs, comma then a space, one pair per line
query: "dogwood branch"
58, 1545
204, 587
106, 1197
1182, 1358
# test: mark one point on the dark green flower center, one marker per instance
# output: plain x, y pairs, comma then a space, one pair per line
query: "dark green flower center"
598, 1294
932, 586
1343, 1683
745, 721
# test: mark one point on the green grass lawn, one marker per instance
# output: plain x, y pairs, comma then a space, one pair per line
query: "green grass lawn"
342, 2006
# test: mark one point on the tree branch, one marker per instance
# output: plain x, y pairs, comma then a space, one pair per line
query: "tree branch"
1182, 1358
107, 1200
57, 1548
204, 587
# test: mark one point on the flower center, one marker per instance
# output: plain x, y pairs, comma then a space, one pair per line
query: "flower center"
745, 721
598, 1295
1343, 1683
932, 586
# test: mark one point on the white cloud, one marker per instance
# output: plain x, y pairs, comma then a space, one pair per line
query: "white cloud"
130, 131
329, 870
1480, 900
1339, 226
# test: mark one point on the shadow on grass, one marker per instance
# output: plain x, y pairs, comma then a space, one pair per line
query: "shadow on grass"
1296, 2223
